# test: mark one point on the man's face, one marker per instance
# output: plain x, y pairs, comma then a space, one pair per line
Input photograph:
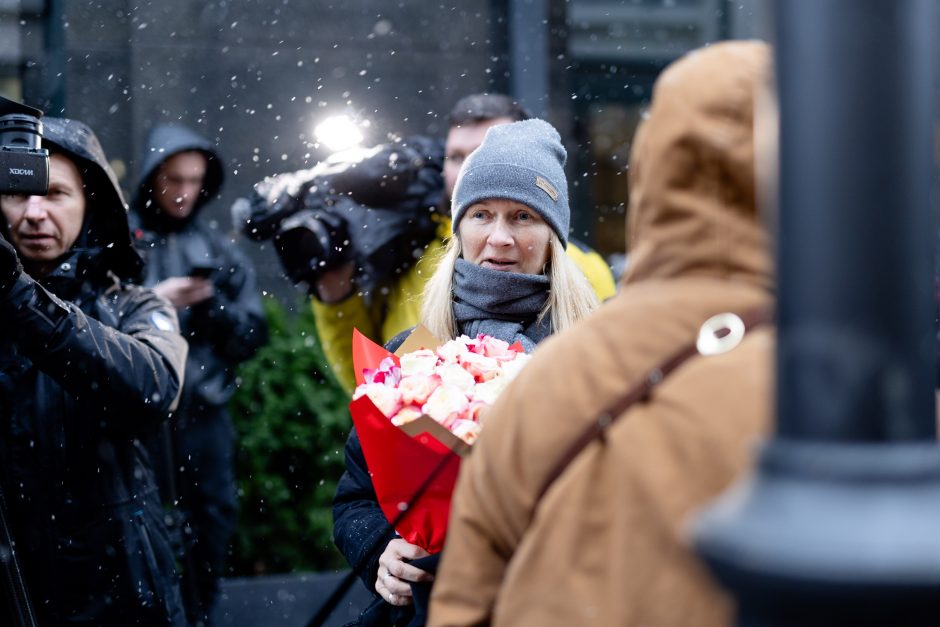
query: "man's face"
178, 183
461, 141
43, 228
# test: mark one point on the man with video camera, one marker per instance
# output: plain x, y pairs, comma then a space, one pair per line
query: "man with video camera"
364, 230
89, 366
213, 288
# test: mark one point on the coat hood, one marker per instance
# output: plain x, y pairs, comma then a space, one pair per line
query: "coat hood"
693, 202
105, 236
164, 141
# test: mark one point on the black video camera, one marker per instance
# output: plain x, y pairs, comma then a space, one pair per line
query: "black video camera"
369, 207
24, 164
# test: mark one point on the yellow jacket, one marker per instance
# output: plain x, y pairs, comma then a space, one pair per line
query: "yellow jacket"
391, 313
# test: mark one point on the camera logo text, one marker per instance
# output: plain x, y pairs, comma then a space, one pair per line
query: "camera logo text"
21, 172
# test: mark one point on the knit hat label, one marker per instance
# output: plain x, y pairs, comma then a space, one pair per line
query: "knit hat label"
546, 187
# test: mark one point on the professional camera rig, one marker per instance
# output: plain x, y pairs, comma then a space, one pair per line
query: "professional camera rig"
372, 208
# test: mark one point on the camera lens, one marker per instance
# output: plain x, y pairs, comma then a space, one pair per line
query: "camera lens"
303, 251
20, 131
309, 245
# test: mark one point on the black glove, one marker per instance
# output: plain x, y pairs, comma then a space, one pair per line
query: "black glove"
10, 266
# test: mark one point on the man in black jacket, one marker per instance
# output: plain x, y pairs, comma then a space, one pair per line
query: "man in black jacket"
89, 366
213, 289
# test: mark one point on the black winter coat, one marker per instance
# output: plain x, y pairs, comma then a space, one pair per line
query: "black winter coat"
358, 521
361, 533
226, 329
223, 331
88, 367
80, 383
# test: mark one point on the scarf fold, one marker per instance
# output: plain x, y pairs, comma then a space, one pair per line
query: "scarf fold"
504, 305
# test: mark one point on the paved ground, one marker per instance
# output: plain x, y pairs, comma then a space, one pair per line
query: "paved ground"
285, 600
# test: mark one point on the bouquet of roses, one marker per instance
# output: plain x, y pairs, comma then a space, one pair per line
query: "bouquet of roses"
416, 412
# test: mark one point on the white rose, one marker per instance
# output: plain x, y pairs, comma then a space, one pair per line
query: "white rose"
512, 368
466, 430
489, 390
418, 362
386, 398
445, 404
456, 376
406, 414
451, 351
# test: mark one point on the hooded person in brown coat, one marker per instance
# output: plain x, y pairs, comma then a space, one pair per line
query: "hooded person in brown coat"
607, 543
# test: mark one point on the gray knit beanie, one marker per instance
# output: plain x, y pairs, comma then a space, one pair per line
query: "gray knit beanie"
523, 161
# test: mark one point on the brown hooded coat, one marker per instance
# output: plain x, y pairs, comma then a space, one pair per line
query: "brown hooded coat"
607, 544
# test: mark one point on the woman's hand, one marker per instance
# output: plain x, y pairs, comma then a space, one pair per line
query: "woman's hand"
395, 573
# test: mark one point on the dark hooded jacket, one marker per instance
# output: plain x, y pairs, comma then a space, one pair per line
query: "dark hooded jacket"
92, 366
226, 329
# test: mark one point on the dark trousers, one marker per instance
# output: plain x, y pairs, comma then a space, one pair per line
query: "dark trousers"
203, 474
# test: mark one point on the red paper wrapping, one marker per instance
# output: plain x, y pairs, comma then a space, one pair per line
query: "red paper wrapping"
399, 463
366, 354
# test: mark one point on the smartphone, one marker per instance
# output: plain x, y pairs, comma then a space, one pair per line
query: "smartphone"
202, 272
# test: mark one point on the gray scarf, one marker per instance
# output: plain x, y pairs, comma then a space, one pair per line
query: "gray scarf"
504, 305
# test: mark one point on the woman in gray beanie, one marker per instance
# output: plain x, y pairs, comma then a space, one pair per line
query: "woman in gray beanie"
505, 272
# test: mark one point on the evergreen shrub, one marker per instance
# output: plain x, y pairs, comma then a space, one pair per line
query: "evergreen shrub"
291, 420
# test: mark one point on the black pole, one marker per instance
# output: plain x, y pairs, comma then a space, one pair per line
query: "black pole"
839, 523
856, 91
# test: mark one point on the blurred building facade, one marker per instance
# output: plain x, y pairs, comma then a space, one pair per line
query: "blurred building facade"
258, 75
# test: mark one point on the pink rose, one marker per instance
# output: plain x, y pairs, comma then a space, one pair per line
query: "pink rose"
476, 410
416, 389
475, 345
481, 367
387, 373
497, 349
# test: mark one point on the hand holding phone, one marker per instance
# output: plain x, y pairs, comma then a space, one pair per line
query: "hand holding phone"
184, 291
202, 272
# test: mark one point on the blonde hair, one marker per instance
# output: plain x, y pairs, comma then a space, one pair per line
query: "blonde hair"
570, 297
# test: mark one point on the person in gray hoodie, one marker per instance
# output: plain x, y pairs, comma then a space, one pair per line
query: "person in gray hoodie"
212, 286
